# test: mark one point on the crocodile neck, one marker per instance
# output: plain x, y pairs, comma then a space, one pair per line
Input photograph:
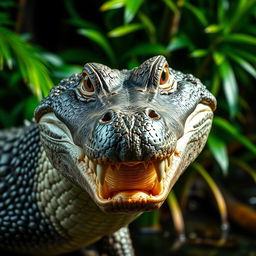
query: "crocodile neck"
71, 211
42, 212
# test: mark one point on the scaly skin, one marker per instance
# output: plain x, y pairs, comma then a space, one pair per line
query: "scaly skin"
107, 145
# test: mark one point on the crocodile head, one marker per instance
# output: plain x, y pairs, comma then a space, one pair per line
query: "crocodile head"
126, 136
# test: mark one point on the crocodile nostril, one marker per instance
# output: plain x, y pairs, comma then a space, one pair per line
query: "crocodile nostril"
107, 117
153, 114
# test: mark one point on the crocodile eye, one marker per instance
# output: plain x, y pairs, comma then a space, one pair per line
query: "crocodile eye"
86, 87
164, 82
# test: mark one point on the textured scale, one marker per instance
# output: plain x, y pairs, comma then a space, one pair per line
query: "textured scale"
39, 210
50, 198
22, 224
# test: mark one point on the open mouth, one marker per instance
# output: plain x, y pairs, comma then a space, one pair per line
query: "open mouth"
140, 182
126, 180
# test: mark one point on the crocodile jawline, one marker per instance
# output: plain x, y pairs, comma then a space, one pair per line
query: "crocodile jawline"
132, 182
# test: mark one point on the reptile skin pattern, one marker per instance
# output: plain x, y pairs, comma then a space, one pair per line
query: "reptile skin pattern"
105, 146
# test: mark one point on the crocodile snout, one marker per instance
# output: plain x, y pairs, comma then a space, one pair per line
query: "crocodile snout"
132, 135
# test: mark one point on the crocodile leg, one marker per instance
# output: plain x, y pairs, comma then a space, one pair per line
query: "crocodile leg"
116, 244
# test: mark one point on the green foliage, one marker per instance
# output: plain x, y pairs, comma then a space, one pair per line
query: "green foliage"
219, 151
16, 52
124, 30
225, 125
28, 65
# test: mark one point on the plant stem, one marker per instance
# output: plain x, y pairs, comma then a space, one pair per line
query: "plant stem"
20, 16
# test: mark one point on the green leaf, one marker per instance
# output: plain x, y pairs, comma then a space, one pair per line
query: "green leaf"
180, 42
215, 83
124, 30
54, 59
199, 53
223, 6
218, 57
32, 67
219, 151
5, 53
133, 63
245, 54
146, 49
240, 39
244, 64
131, 9
225, 125
211, 29
100, 39
230, 86
171, 5
197, 13
112, 4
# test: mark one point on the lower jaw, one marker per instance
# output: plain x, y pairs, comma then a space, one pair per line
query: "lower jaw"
130, 206
131, 201
125, 193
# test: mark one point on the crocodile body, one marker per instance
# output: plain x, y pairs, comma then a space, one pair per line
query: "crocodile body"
32, 190
106, 145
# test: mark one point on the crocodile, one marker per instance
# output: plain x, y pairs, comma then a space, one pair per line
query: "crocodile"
103, 147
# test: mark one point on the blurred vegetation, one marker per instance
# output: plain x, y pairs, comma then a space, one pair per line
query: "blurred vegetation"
214, 40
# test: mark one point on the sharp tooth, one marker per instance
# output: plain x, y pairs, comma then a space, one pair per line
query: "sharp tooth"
158, 188
160, 169
169, 161
101, 171
92, 165
172, 81
166, 165
86, 160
